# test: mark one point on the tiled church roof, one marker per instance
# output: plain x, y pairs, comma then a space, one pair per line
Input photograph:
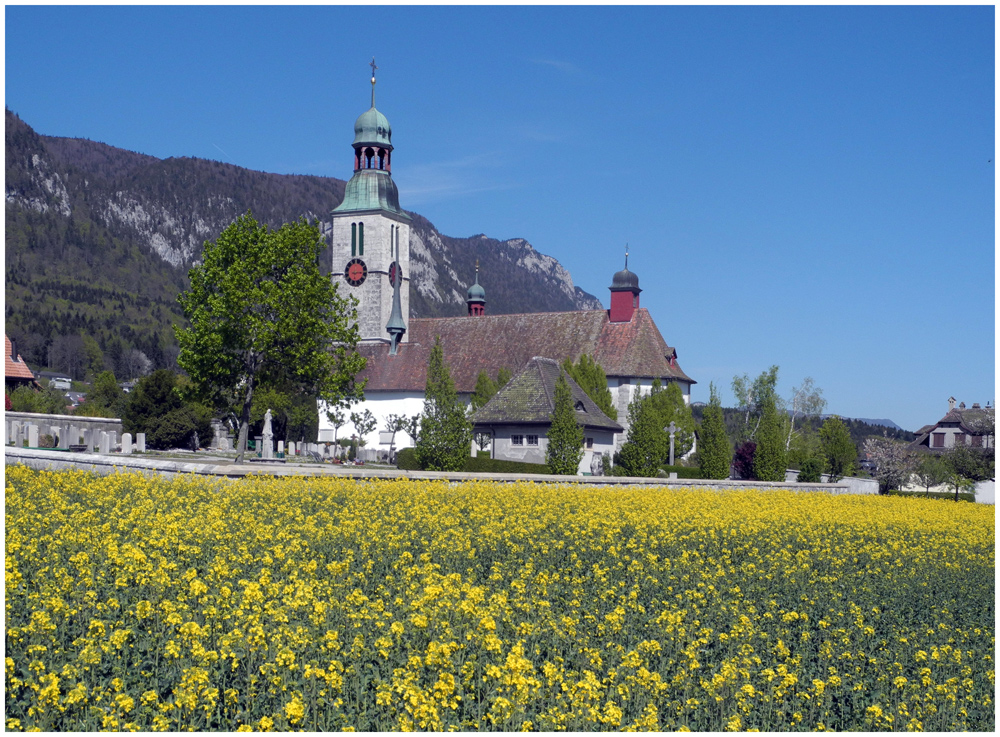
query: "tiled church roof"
529, 398
473, 344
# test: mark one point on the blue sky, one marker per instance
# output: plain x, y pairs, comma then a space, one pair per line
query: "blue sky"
804, 186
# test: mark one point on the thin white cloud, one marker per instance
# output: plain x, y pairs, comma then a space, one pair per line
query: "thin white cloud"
423, 183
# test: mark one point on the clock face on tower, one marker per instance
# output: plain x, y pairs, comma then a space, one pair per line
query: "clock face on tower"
356, 272
393, 267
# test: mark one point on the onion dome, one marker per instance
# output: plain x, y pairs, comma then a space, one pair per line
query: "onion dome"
372, 129
625, 280
475, 297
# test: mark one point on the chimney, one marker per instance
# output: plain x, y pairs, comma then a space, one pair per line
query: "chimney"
962, 405
975, 405
951, 403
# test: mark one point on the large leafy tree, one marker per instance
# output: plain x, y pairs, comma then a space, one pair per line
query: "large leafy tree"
590, 377
261, 314
839, 450
714, 454
893, 462
445, 439
565, 437
751, 397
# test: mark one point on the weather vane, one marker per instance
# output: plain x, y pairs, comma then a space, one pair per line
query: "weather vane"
626, 256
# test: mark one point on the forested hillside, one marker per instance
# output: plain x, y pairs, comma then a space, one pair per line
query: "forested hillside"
99, 241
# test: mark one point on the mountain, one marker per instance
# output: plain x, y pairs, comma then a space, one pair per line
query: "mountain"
99, 241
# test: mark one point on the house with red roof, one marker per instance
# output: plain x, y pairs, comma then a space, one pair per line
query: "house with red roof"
971, 426
16, 371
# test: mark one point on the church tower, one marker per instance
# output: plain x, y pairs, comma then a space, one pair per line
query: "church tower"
624, 294
475, 297
371, 234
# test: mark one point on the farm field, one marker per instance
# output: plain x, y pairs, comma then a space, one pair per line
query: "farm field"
134, 603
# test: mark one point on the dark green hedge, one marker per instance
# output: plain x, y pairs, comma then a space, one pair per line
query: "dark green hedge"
489, 465
683, 472
406, 460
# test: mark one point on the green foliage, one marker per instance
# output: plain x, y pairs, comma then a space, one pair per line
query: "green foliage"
565, 446
105, 398
178, 428
485, 390
893, 462
752, 397
838, 449
46, 401
294, 417
503, 376
932, 470
646, 447
811, 471
769, 458
150, 401
261, 314
669, 406
683, 472
976, 464
445, 433
364, 422
480, 464
589, 375
714, 453
406, 460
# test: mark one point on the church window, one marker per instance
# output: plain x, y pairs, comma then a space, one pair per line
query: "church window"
361, 239
354, 240
532, 440
590, 443
517, 440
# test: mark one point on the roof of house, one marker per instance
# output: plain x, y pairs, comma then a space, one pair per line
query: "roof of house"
964, 420
529, 398
489, 342
14, 367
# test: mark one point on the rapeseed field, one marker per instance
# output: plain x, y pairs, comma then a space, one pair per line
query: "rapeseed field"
135, 603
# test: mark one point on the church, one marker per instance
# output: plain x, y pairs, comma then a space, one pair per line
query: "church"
370, 253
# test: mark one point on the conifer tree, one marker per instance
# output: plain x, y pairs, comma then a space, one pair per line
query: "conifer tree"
670, 407
769, 459
445, 439
714, 453
485, 390
643, 452
503, 376
590, 377
565, 448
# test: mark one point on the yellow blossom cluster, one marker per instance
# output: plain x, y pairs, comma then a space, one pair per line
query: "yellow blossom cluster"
135, 603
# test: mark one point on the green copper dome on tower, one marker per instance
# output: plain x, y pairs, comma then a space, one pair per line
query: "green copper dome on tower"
371, 188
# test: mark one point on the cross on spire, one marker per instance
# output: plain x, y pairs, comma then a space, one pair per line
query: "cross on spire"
626, 256
374, 67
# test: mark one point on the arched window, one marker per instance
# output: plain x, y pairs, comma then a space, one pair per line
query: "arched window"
354, 240
361, 239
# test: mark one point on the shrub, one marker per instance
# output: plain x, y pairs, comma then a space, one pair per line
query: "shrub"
743, 460
406, 460
811, 471
490, 465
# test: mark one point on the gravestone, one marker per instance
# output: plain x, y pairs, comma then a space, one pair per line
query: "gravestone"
74, 435
112, 441
127, 443
281, 447
104, 445
140, 442
267, 452
89, 436
32, 435
64, 440
291, 448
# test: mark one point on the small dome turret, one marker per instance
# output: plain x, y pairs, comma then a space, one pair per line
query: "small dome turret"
624, 294
475, 297
624, 280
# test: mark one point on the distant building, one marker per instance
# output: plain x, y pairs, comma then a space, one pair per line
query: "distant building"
961, 426
370, 260
518, 418
16, 371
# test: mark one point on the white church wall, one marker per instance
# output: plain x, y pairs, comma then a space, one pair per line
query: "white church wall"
381, 405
